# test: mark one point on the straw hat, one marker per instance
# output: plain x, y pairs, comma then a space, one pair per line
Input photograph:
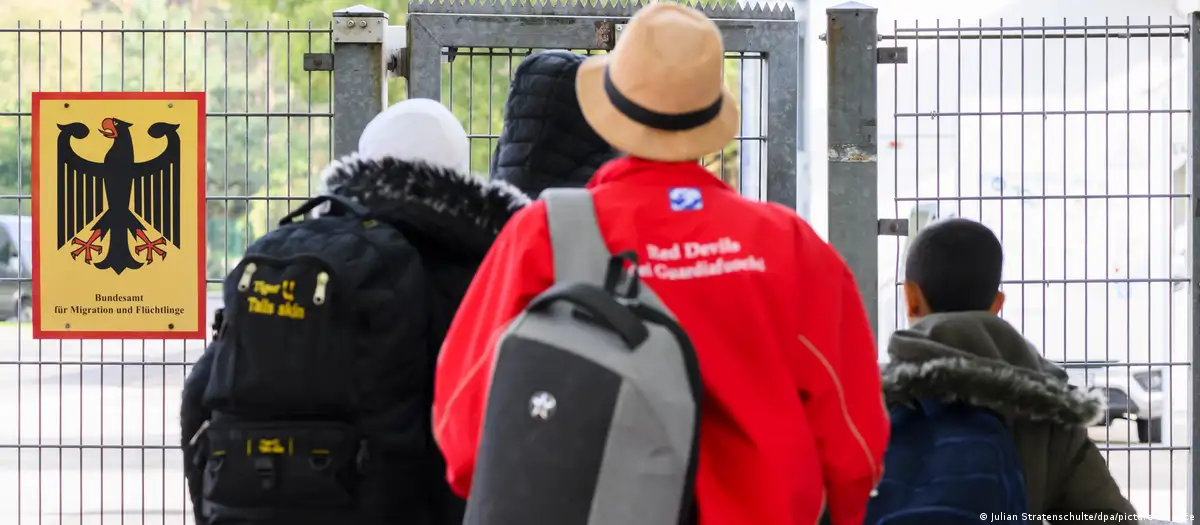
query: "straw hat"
659, 94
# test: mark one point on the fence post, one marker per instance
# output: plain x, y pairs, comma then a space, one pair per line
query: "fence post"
359, 73
851, 39
1194, 255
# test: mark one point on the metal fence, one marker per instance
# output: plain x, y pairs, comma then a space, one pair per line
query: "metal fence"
88, 429
455, 43
1072, 140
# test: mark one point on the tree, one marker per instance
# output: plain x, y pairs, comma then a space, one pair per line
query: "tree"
475, 80
259, 143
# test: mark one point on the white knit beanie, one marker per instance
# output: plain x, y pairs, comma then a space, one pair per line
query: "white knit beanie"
417, 130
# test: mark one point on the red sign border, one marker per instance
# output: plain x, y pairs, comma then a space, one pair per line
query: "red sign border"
200, 98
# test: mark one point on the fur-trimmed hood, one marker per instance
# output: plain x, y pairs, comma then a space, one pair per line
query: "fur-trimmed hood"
978, 358
459, 210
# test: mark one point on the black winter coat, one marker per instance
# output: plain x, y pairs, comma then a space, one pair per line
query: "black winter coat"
545, 141
451, 220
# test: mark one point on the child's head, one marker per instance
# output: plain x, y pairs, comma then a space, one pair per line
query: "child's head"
953, 265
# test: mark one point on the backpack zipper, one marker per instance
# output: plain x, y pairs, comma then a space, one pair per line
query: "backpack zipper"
196, 437
247, 274
319, 292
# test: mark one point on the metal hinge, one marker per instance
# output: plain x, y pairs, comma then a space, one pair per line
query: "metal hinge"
397, 64
893, 227
318, 61
891, 55
395, 47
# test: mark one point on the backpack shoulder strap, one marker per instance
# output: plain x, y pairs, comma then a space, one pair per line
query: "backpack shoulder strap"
580, 253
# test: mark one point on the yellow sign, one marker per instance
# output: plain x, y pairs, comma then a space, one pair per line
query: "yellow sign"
118, 216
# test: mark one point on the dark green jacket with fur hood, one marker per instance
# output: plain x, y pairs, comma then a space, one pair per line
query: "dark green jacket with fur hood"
978, 358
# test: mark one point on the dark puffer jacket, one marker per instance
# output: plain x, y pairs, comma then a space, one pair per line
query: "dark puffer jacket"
451, 219
545, 141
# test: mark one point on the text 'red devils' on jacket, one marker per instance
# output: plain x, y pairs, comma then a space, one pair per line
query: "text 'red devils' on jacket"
793, 419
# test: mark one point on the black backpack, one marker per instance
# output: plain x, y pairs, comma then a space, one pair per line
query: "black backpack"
321, 378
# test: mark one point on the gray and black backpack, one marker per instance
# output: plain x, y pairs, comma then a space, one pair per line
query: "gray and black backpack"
594, 408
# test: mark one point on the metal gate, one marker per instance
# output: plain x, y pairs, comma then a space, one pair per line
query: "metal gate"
457, 49
1071, 140
89, 431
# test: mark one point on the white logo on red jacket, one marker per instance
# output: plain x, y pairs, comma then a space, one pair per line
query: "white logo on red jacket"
686, 199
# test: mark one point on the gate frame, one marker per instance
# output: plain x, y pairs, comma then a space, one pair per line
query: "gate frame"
360, 72
772, 31
851, 41
1193, 170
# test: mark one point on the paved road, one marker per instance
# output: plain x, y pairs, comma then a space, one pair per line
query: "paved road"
117, 394
126, 394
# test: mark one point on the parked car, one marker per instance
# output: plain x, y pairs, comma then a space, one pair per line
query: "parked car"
1133, 393
16, 267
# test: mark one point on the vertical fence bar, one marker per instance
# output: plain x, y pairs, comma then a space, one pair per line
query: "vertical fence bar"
1194, 336
784, 64
851, 40
424, 60
803, 172
359, 73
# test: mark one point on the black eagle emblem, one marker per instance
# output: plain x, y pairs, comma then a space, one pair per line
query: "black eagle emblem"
126, 195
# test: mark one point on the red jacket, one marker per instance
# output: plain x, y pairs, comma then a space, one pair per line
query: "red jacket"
793, 415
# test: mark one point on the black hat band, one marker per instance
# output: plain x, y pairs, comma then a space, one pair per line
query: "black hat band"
660, 121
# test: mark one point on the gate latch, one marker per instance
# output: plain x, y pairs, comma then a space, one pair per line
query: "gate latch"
893, 227
891, 55
318, 61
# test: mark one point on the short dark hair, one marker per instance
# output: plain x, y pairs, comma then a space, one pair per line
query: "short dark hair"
957, 264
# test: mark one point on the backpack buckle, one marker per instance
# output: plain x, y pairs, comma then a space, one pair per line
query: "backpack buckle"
264, 466
622, 281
